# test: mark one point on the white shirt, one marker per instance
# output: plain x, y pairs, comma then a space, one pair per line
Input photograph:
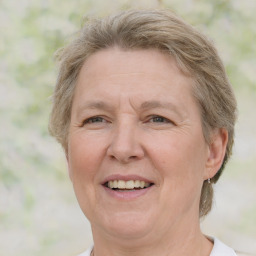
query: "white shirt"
219, 249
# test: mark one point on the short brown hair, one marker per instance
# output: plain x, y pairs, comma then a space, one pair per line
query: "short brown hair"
193, 52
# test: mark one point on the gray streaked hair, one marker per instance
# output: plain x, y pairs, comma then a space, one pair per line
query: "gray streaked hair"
193, 52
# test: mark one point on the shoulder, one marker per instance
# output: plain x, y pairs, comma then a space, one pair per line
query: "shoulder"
243, 254
86, 253
220, 249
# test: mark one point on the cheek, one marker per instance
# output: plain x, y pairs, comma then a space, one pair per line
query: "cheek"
83, 157
83, 161
179, 158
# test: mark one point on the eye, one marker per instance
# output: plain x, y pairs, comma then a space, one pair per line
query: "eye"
93, 120
159, 119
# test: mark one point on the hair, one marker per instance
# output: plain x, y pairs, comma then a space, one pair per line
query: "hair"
193, 52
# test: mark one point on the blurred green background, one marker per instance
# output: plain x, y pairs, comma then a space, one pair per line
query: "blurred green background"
39, 214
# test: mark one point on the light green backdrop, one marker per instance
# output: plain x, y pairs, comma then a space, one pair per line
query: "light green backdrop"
38, 211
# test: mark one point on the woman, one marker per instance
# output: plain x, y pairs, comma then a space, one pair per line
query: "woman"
145, 113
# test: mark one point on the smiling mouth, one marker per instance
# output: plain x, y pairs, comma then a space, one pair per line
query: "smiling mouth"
130, 185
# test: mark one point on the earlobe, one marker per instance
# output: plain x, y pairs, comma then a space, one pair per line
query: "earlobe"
217, 150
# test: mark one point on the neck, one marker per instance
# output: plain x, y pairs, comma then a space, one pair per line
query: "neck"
177, 241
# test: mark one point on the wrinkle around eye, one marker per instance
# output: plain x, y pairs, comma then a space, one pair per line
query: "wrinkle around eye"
94, 122
159, 120
94, 119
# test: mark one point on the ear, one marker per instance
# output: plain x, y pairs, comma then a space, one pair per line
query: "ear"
216, 153
68, 166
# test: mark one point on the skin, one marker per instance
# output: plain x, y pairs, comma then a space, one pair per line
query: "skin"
118, 127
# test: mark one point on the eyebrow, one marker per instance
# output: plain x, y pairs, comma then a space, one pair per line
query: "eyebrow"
95, 105
101, 105
147, 105
156, 104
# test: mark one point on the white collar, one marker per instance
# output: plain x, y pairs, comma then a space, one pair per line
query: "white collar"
219, 249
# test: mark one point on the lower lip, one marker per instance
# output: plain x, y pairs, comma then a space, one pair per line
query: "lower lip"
127, 195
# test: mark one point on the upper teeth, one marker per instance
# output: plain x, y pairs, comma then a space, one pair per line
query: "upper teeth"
130, 184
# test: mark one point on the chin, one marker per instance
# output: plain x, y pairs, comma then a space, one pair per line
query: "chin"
129, 225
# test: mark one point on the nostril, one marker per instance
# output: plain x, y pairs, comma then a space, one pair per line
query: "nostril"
125, 147
123, 159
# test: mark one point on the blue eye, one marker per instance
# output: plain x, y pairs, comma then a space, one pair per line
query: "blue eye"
159, 119
95, 119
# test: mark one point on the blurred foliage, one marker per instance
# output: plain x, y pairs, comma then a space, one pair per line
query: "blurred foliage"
34, 188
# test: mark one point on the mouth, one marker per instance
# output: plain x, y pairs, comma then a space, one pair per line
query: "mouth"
127, 186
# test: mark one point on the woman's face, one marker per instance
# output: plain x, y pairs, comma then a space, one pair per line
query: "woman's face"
136, 127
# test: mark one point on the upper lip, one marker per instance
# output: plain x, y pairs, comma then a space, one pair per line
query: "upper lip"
126, 178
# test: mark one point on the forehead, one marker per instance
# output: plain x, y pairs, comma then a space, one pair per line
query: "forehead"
131, 60
141, 74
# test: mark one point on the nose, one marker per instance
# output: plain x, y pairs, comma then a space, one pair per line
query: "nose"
125, 145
